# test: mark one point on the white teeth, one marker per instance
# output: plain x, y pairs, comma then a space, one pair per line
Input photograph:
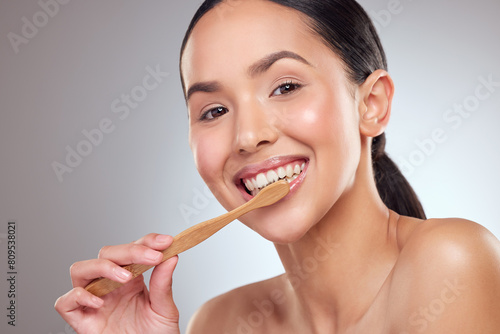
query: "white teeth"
272, 176
261, 180
249, 185
281, 172
296, 169
289, 173
254, 183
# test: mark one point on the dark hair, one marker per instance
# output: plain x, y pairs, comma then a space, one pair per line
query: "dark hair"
346, 28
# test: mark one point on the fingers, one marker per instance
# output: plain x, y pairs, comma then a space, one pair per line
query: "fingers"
84, 272
130, 253
156, 241
76, 299
160, 287
78, 303
143, 251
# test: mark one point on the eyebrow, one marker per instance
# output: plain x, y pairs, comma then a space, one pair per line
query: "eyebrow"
265, 63
255, 69
206, 87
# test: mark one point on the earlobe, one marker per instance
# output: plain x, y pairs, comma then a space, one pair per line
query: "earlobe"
375, 103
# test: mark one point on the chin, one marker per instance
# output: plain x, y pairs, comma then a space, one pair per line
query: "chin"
279, 229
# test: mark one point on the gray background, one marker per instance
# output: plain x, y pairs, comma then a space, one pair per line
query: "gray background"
141, 177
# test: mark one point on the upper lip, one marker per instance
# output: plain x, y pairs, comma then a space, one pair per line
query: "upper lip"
271, 163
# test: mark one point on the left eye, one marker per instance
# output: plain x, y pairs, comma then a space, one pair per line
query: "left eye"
286, 88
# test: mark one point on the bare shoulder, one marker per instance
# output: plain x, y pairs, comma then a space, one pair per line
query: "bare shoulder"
447, 279
248, 309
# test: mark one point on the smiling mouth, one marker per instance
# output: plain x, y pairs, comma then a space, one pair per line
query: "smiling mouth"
253, 185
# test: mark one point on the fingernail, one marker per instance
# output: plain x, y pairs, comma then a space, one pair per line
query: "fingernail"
152, 255
162, 238
122, 274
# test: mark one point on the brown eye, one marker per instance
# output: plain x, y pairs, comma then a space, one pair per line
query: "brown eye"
286, 88
214, 113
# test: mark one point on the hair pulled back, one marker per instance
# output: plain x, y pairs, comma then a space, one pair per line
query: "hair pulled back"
345, 27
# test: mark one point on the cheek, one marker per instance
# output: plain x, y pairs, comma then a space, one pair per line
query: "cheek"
210, 151
328, 125
322, 120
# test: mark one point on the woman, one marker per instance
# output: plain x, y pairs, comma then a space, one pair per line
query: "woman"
300, 90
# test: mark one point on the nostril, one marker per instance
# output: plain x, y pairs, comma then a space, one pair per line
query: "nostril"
263, 142
252, 149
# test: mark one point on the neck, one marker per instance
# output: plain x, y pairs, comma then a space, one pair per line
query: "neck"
337, 269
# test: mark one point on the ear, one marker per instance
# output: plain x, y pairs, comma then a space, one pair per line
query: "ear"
375, 100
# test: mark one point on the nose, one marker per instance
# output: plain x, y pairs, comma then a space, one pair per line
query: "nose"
256, 128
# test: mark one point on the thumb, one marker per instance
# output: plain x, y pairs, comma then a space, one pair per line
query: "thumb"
160, 289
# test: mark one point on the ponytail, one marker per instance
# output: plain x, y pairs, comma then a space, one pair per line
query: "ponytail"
393, 188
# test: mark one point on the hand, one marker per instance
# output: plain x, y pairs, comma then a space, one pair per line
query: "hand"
130, 308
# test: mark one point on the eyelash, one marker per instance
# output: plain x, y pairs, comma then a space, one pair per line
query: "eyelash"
204, 116
286, 84
220, 109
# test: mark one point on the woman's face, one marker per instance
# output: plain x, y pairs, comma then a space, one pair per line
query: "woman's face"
267, 99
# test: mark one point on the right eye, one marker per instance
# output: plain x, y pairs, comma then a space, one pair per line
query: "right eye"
213, 113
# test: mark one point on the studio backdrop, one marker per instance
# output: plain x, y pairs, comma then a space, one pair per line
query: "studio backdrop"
94, 149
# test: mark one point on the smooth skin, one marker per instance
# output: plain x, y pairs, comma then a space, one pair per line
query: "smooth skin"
130, 308
352, 265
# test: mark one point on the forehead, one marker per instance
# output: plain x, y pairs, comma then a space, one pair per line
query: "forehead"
238, 32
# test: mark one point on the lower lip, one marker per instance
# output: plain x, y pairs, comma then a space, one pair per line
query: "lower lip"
294, 185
